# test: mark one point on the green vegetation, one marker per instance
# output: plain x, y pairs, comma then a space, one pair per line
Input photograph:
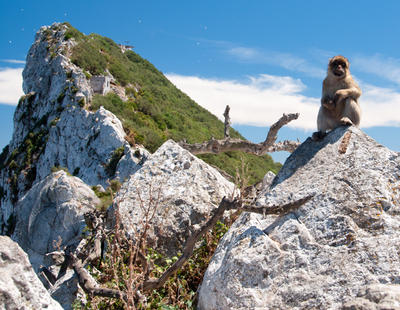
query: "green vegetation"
156, 109
59, 168
21, 159
230, 162
106, 197
179, 292
114, 160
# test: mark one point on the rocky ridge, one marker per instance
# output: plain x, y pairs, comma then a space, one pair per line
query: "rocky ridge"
339, 250
52, 128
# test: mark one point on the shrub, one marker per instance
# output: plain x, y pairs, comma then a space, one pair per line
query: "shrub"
59, 168
111, 167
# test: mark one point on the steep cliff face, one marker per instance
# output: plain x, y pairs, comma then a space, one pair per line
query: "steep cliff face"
53, 128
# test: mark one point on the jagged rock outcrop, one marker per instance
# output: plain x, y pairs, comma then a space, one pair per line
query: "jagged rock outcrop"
20, 288
50, 218
182, 188
339, 250
53, 128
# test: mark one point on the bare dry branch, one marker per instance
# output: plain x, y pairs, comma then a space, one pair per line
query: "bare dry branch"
87, 283
227, 122
229, 144
142, 282
225, 205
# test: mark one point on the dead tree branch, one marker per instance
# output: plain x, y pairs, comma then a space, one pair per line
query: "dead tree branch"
225, 205
227, 122
89, 285
231, 144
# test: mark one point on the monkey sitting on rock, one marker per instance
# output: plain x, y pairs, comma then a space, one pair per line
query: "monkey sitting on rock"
339, 102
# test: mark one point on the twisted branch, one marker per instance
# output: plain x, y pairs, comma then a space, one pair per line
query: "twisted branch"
232, 144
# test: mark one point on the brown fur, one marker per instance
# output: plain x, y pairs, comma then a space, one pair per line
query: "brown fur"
339, 102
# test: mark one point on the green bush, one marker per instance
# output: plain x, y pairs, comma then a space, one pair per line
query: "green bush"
115, 158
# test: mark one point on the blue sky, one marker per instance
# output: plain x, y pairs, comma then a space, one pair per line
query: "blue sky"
264, 58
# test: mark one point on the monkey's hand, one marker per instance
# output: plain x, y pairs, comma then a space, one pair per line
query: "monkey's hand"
340, 95
328, 103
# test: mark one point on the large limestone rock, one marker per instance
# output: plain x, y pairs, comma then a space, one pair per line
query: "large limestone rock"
84, 142
50, 216
182, 188
339, 250
20, 288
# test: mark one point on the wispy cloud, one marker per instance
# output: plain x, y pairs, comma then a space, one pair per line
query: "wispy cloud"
383, 67
275, 58
284, 60
13, 61
263, 99
10, 85
259, 102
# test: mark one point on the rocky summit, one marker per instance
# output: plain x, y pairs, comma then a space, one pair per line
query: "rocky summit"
340, 250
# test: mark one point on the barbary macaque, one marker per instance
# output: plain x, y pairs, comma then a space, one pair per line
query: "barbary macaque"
339, 102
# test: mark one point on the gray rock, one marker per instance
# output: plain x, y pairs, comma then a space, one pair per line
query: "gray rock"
268, 179
50, 219
50, 215
329, 251
84, 142
100, 84
20, 288
376, 297
182, 188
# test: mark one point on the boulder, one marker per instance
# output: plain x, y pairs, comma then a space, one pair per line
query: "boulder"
20, 288
182, 190
50, 216
338, 249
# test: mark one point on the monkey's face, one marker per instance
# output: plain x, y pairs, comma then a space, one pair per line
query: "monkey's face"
338, 66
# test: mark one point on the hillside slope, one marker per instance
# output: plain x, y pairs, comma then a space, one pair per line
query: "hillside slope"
152, 109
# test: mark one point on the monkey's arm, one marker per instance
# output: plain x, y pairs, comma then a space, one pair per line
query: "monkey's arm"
327, 99
353, 92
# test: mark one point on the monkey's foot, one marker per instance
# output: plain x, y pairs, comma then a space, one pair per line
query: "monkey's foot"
345, 121
318, 135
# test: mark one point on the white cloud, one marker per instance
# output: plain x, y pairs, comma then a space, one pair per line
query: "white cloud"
380, 106
263, 99
259, 102
10, 85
